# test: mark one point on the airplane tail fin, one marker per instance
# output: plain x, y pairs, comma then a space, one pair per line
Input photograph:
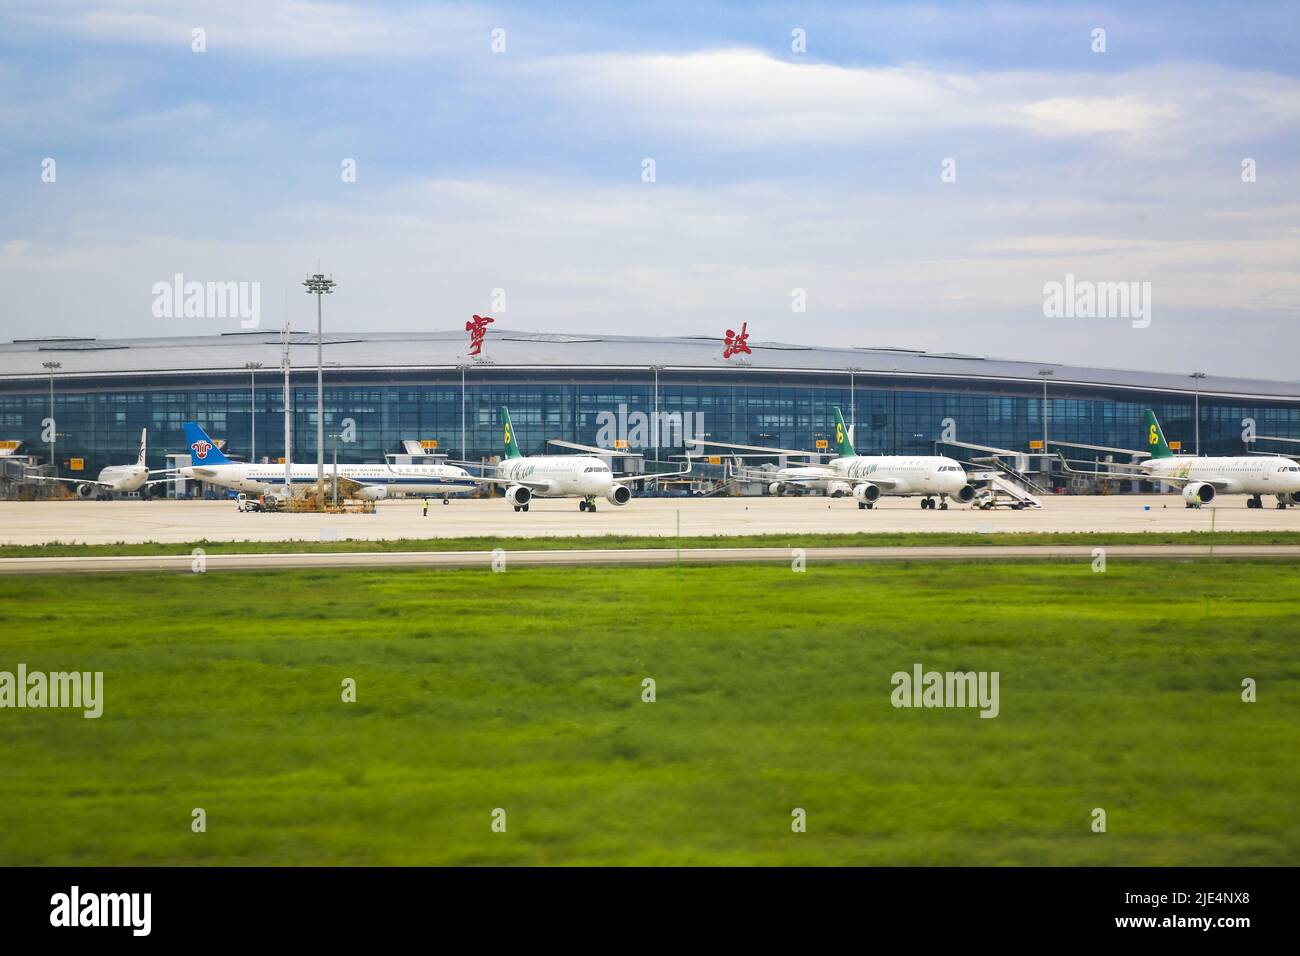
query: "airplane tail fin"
843, 442
203, 450
1156, 443
508, 434
144, 446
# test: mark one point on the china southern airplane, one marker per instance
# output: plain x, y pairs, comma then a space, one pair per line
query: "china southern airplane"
375, 482
1204, 478
116, 479
562, 476
867, 477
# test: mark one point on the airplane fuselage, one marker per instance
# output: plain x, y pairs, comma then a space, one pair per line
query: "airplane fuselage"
564, 476
1251, 475
909, 475
270, 479
124, 479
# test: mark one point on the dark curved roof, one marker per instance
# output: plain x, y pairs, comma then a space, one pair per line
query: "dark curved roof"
224, 354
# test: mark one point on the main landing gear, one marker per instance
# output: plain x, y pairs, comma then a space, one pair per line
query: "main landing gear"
866, 504
1255, 502
931, 504
587, 504
521, 507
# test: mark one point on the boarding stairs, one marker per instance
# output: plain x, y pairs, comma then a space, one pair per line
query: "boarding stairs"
1022, 478
1000, 492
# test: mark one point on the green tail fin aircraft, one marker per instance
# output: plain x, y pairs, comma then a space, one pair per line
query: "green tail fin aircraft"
508, 435
1156, 443
843, 447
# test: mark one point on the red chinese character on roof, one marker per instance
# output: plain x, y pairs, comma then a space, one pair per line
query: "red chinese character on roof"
735, 341
477, 329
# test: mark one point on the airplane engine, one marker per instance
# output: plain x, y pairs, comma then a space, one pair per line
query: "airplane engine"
1294, 497
373, 493
866, 492
966, 495
618, 495
838, 489
774, 488
85, 491
1198, 491
518, 495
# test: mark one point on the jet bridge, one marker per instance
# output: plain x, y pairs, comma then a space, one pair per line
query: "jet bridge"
1099, 483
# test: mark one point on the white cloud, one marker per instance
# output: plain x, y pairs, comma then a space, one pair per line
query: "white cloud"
579, 258
1098, 114
295, 28
745, 97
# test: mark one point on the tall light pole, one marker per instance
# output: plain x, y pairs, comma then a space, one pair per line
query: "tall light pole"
288, 413
252, 410
52, 367
853, 401
319, 286
654, 422
1197, 405
1045, 372
335, 436
462, 368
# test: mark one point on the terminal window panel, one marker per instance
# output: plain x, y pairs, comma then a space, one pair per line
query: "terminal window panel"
103, 427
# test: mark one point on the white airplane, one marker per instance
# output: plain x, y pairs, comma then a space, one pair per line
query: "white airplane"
563, 476
867, 477
1204, 478
116, 479
796, 478
375, 482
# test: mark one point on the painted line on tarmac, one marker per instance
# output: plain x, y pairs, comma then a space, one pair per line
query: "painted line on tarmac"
632, 556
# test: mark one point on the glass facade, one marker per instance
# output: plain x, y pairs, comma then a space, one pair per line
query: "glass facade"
100, 422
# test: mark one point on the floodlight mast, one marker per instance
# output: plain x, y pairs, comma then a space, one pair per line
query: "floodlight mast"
52, 367
288, 414
252, 410
319, 285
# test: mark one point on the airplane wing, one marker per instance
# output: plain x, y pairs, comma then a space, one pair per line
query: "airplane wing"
1139, 452
757, 448
203, 472
1117, 471
747, 475
72, 481
538, 486
1220, 484
650, 475
591, 449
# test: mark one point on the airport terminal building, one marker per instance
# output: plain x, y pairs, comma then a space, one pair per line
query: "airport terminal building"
589, 389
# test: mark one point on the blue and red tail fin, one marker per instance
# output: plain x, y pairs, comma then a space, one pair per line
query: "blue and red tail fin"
203, 450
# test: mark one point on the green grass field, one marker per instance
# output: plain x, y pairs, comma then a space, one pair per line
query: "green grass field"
846, 540
522, 691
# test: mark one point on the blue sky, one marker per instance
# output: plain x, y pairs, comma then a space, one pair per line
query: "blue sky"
775, 170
